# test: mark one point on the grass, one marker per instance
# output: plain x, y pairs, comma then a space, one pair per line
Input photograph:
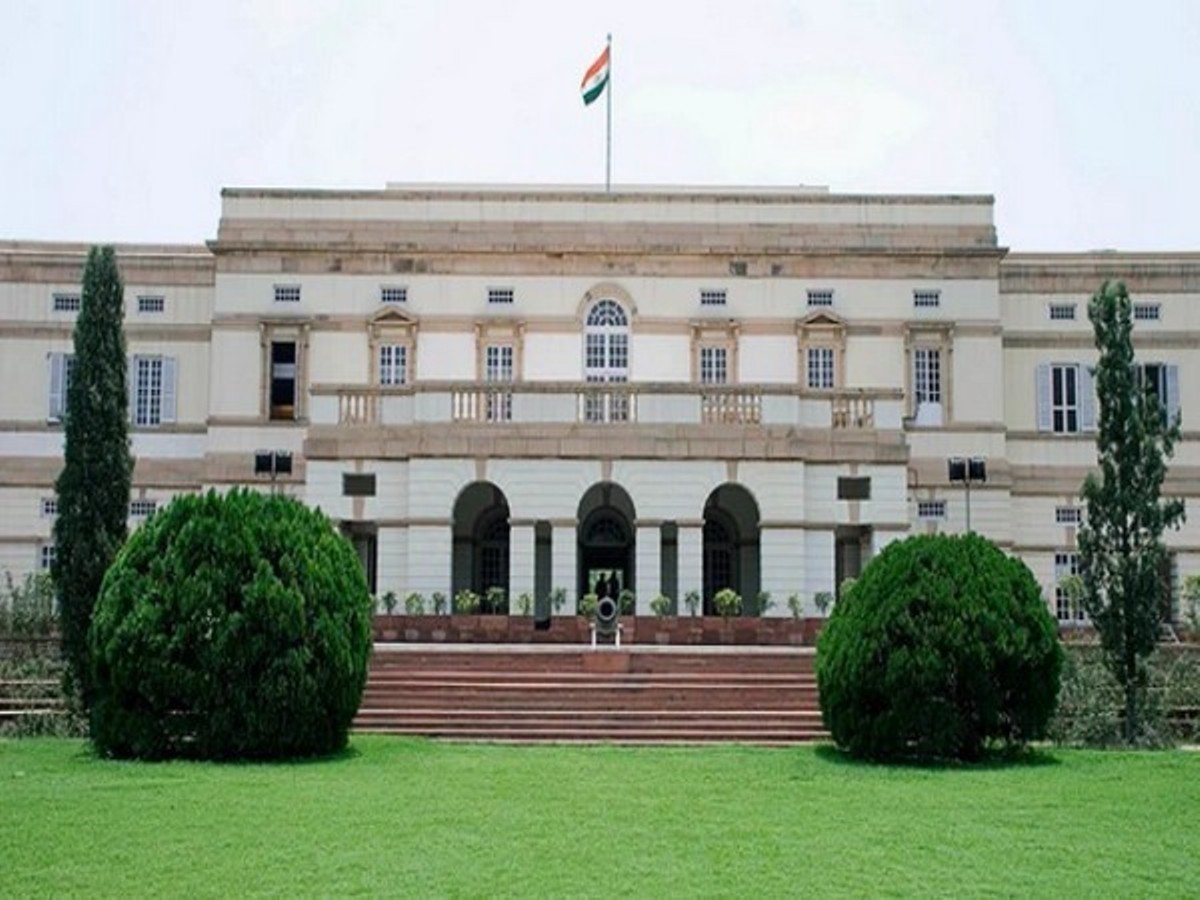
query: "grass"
409, 817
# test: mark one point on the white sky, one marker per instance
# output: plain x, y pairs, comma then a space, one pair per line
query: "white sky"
122, 120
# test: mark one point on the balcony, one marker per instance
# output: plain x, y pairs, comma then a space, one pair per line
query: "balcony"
608, 404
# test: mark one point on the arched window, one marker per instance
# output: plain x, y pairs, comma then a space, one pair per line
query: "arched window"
606, 360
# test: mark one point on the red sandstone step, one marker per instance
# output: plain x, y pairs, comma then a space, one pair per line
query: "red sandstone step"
556, 733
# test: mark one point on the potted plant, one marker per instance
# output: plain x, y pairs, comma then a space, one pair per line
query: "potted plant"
390, 602
524, 604
439, 603
692, 601
661, 605
494, 601
466, 603
627, 602
414, 604
823, 600
727, 603
558, 600
795, 606
587, 605
764, 602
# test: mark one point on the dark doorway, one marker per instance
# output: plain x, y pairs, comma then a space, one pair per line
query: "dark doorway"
481, 534
606, 541
731, 546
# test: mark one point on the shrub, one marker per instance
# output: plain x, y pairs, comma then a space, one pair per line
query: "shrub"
943, 645
390, 600
822, 600
27, 609
661, 605
587, 605
524, 604
692, 601
627, 602
795, 606
230, 626
764, 602
558, 599
466, 603
439, 603
414, 604
727, 602
495, 601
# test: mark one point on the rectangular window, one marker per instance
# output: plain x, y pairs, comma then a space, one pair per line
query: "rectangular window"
820, 298
1147, 312
61, 367
500, 295
66, 302
498, 368
931, 509
46, 555
393, 294
1064, 399
820, 368
49, 507
927, 299
151, 303
1065, 564
393, 364
1062, 312
854, 488
1068, 515
927, 385
1162, 381
287, 293
356, 484
148, 390
283, 380
712, 297
140, 509
713, 365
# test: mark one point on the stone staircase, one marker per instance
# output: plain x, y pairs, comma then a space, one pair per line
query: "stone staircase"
632, 695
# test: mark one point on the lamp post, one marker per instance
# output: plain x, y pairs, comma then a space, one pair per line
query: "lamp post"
965, 471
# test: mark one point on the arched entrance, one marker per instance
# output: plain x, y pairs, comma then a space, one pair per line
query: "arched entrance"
606, 540
481, 543
731, 546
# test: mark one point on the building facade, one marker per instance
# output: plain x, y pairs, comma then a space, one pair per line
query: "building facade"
668, 390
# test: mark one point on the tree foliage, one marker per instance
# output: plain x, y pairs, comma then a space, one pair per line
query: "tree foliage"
942, 646
1122, 559
235, 626
93, 488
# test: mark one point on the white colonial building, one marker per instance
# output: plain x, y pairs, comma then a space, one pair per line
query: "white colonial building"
672, 389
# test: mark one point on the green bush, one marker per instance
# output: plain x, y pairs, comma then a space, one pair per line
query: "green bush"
414, 604
727, 602
661, 605
588, 604
466, 603
27, 609
943, 646
230, 626
627, 602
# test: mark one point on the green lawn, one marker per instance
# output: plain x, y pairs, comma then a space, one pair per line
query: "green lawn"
418, 818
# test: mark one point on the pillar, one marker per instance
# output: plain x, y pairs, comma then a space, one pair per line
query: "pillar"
649, 566
691, 563
564, 569
782, 566
430, 548
520, 563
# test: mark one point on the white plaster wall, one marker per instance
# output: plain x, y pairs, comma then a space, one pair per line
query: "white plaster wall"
778, 487
18, 559
768, 359
236, 378
338, 357
818, 566
874, 362
783, 552
33, 302
543, 489
820, 493
670, 491
553, 357
392, 563
445, 357
21, 512
977, 369
434, 486
658, 357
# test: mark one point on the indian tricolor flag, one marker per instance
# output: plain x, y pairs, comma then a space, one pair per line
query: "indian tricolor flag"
595, 79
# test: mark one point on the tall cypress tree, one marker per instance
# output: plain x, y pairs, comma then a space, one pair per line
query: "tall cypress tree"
93, 488
1121, 554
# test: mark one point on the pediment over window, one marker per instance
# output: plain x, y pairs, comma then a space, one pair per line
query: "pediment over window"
822, 319
392, 324
389, 315
822, 325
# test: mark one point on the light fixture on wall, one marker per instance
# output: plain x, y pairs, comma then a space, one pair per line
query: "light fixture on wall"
965, 471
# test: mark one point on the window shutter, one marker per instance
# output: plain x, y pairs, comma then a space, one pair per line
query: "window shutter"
132, 375
1043, 397
1172, 398
58, 401
1087, 398
168, 389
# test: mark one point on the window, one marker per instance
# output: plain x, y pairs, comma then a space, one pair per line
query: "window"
498, 368
151, 304
46, 556
1147, 312
355, 484
153, 390
49, 507
854, 488
1064, 399
393, 294
393, 364
500, 295
931, 509
66, 302
287, 293
1068, 515
713, 365
141, 508
712, 297
927, 299
820, 368
820, 298
1066, 564
606, 360
927, 386
1062, 312
283, 380
1163, 382
61, 367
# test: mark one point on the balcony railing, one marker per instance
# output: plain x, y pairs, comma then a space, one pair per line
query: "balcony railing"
657, 403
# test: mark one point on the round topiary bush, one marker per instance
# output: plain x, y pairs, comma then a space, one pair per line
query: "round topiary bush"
230, 626
941, 647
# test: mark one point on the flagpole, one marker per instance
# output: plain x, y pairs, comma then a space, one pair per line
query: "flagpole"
608, 124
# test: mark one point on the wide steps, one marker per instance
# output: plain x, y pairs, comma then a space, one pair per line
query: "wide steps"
626, 696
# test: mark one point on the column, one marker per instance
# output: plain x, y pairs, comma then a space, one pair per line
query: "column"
564, 572
520, 563
649, 566
392, 564
819, 567
429, 562
691, 563
782, 566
